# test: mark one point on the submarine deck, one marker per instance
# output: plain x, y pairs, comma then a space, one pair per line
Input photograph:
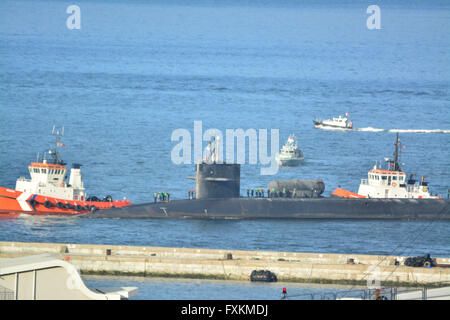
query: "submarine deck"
282, 208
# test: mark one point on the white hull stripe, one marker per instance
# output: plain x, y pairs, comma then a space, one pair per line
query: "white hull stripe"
22, 199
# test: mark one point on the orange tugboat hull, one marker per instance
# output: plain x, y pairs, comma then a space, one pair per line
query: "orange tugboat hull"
13, 202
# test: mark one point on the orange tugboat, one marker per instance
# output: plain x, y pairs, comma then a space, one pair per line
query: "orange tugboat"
48, 193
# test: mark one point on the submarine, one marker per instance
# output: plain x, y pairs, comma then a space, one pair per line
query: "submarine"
217, 196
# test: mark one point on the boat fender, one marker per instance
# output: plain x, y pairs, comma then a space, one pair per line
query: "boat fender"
48, 204
78, 207
60, 205
69, 206
93, 209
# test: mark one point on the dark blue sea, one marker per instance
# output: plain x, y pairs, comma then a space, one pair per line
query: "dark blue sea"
138, 70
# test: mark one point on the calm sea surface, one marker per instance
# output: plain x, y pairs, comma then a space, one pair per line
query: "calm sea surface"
138, 70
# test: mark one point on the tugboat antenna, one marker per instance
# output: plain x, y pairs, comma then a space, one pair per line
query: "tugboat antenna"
57, 132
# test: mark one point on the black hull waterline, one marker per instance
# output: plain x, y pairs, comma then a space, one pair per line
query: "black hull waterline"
279, 208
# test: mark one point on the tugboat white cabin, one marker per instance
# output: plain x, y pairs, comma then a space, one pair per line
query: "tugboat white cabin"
48, 177
392, 183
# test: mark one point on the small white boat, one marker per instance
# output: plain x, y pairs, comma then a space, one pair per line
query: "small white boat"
290, 154
339, 123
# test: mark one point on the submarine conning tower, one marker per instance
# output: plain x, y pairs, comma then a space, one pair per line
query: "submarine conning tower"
217, 180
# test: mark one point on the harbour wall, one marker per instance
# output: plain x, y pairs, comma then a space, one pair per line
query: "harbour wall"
234, 264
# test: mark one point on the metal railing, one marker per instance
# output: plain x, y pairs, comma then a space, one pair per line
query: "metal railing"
6, 294
391, 293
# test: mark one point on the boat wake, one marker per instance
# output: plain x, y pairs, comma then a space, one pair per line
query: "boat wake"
420, 130
370, 129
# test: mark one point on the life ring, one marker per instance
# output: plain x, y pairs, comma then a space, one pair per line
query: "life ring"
394, 184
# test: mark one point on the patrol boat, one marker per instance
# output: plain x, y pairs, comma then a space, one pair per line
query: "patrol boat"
290, 154
389, 182
337, 123
47, 192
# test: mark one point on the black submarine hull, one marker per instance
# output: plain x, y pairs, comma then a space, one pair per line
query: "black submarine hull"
282, 208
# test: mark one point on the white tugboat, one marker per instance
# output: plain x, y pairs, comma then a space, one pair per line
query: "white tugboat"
290, 154
336, 123
390, 182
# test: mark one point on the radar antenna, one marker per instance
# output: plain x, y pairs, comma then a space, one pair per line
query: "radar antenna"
57, 132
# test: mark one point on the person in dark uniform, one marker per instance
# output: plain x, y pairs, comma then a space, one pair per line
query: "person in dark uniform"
168, 196
252, 192
248, 192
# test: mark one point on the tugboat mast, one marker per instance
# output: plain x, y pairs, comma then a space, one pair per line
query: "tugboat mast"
397, 145
55, 155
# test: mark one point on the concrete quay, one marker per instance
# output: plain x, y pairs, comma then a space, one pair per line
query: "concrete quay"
233, 264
